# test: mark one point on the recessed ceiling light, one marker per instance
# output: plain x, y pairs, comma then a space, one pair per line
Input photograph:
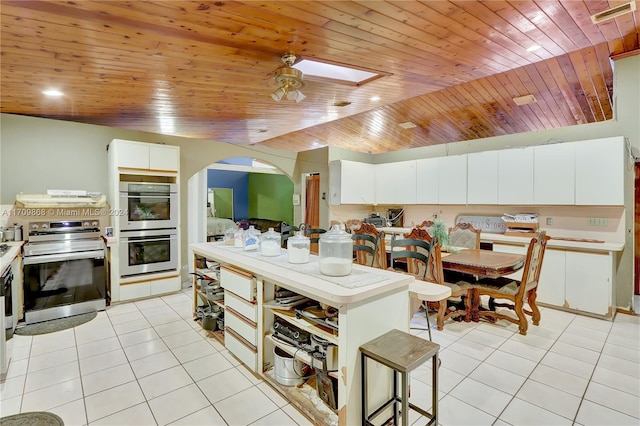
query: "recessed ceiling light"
407, 125
52, 92
524, 100
375, 98
533, 48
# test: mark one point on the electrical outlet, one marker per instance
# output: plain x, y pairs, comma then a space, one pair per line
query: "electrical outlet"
597, 221
549, 221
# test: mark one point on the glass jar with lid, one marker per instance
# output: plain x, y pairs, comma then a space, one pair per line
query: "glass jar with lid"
298, 247
251, 239
270, 243
238, 237
336, 252
229, 237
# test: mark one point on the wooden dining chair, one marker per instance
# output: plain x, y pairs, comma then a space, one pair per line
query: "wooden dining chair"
464, 235
369, 246
516, 293
287, 231
313, 234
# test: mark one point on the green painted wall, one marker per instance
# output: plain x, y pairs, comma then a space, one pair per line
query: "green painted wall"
270, 197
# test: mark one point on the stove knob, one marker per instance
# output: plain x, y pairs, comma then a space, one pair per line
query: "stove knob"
45, 226
94, 224
85, 225
34, 226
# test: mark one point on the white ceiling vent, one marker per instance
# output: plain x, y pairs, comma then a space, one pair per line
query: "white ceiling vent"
525, 100
407, 125
613, 12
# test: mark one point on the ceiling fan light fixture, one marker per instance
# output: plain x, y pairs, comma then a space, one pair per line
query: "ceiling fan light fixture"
290, 80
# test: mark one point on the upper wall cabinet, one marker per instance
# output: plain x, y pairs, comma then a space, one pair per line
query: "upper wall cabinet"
395, 183
600, 166
482, 177
351, 182
452, 180
515, 176
146, 156
554, 174
427, 180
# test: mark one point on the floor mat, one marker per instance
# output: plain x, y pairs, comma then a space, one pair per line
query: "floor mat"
55, 325
35, 418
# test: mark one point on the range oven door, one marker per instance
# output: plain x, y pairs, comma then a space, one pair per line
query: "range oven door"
59, 285
148, 206
150, 251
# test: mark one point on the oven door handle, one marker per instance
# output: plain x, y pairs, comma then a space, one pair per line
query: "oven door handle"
146, 240
148, 195
61, 257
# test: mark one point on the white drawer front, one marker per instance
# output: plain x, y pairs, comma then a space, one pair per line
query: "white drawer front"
135, 291
248, 356
238, 283
240, 305
237, 324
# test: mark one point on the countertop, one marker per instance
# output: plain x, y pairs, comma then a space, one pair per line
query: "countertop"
371, 282
487, 237
9, 255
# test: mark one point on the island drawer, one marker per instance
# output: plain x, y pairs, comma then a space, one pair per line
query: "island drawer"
243, 350
242, 306
239, 324
239, 282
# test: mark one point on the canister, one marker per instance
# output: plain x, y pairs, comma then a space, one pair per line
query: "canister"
229, 237
270, 243
336, 252
251, 239
17, 229
298, 248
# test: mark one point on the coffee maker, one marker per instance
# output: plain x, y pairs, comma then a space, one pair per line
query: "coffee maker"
395, 217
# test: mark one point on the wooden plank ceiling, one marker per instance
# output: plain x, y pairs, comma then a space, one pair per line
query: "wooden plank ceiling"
205, 69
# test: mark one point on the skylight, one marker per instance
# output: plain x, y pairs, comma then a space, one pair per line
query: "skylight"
338, 73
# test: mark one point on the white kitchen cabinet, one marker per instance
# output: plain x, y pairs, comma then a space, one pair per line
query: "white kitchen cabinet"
589, 282
515, 176
352, 182
395, 183
600, 167
554, 174
452, 180
482, 177
551, 287
146, 156
427, 180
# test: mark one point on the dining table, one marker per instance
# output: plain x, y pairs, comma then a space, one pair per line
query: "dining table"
478, 264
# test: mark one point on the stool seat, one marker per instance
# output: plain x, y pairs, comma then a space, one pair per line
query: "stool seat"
402, 352
430, 292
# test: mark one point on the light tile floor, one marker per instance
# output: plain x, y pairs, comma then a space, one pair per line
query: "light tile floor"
148, 363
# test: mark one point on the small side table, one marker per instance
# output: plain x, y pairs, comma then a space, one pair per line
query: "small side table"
403, 353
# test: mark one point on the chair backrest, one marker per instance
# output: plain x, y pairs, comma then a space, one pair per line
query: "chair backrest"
369, 246
425, 225
352, 224
533, 263
287, 231
416, 249
464, 235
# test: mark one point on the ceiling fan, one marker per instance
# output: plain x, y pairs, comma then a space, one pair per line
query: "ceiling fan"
290, 79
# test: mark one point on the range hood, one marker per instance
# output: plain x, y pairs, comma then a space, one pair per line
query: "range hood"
32, 201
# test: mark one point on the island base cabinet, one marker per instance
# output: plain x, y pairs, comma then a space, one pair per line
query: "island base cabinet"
589, 282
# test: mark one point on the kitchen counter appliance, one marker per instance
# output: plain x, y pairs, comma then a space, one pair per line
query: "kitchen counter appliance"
65, 272
376, 220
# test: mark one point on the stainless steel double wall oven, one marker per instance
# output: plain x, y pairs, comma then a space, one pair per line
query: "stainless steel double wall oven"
148, 227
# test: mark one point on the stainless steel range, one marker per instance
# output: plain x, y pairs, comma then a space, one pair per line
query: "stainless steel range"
65, 272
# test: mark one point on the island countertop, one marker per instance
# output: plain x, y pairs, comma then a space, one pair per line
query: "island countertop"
363, 283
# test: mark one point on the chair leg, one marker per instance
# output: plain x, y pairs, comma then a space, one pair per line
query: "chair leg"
442, 310
535, 318
522, 317
426, 311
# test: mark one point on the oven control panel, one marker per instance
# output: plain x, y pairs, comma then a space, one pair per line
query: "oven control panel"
63, 226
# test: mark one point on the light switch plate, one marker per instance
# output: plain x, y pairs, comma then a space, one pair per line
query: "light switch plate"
296, 199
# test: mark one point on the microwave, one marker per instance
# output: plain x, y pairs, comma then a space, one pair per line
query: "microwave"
148, 206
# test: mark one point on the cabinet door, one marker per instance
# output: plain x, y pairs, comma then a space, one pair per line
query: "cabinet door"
600, 166
133, 155
551, 287
554, 174
165, 158
589, 279
515, 176
427, 180
452, 180
357, 183
482, 177
385, 183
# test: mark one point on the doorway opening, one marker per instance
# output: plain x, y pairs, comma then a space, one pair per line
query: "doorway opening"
312, 200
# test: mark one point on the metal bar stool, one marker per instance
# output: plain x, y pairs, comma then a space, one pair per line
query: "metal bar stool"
403, 353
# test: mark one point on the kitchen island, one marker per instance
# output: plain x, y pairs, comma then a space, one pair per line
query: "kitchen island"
369, 302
